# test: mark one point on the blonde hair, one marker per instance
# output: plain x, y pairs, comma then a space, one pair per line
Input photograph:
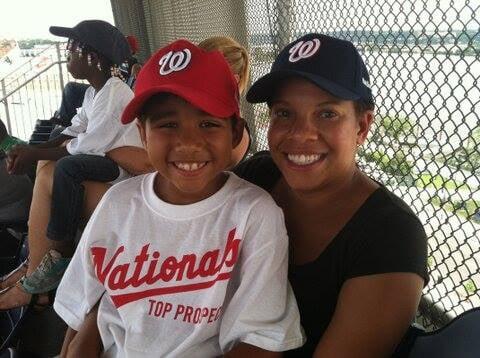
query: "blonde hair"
235, 54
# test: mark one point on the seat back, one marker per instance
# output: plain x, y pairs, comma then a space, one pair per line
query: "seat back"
459, 339
10, 325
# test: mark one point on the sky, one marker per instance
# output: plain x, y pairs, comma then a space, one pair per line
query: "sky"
20, 19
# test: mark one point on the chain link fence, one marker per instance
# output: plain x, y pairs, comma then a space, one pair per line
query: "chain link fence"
425, 144
423, 57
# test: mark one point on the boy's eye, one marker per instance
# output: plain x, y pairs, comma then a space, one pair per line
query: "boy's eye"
208, 124
167, 125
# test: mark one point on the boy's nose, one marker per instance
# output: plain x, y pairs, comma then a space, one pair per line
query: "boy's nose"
190, 139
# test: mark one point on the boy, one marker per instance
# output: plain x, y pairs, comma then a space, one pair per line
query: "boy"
194, 259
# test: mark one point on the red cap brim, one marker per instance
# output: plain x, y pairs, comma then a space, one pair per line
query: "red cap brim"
204, 101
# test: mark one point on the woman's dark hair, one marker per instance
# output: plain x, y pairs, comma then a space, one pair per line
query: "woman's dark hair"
363, 105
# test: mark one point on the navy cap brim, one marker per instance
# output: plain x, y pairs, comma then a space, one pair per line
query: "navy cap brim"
264, 88
62, 31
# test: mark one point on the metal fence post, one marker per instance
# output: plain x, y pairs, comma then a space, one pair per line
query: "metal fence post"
5, 103
59, 60
284, 9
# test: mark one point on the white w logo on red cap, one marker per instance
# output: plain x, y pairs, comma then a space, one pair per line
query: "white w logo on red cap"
303, 49
174, 61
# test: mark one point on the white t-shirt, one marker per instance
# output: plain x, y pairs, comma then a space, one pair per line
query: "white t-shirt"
187, 280
96, 127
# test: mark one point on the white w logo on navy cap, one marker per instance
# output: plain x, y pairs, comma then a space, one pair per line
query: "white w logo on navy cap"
303, 49
174, 61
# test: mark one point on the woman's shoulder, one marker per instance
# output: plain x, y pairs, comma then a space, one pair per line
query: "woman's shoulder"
385, 236
260, 170
384, 204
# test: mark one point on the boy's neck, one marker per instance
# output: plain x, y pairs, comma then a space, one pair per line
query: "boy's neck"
170, 193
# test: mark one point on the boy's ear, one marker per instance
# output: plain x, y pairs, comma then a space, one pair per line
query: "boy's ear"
237, 131
143, 133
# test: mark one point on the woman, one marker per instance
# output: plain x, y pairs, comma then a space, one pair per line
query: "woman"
358, 252
133, 159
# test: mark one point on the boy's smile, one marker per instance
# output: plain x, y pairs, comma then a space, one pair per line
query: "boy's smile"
189, 148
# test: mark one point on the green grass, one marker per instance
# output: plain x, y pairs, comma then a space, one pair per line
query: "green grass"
438, 182
470, 287
461, 208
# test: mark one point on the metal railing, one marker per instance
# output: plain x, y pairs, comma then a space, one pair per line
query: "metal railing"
33, 91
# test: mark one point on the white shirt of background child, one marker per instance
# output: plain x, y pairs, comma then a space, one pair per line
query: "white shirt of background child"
96, 127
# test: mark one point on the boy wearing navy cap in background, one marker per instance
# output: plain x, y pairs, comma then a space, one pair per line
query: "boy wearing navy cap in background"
95, 49
193, 259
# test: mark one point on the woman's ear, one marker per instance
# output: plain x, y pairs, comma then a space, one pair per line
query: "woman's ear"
365, 121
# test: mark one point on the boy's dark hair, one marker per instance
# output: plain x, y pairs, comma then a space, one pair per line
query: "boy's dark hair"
159, 97
142, 117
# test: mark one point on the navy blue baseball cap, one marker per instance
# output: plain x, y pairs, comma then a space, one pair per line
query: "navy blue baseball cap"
101, 36
332, 64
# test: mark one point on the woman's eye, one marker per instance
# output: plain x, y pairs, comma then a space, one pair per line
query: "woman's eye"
280, 113
327, 115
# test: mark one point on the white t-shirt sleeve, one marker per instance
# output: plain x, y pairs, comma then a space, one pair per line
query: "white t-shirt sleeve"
80, 120
263, 311
80, 289
104, 126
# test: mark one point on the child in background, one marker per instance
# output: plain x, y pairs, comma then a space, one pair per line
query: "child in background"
95, 49
193, 258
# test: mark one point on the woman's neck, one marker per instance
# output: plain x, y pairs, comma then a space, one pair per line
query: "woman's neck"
355, 185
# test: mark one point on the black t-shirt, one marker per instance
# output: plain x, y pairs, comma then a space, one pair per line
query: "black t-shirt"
384, 235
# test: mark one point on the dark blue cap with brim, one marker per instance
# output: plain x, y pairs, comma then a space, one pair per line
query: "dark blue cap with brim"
332, 64
101, 36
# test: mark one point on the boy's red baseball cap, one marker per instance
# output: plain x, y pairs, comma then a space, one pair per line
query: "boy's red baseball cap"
202, 78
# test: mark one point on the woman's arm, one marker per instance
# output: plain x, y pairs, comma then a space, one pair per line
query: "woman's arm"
372, 314
133, 159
